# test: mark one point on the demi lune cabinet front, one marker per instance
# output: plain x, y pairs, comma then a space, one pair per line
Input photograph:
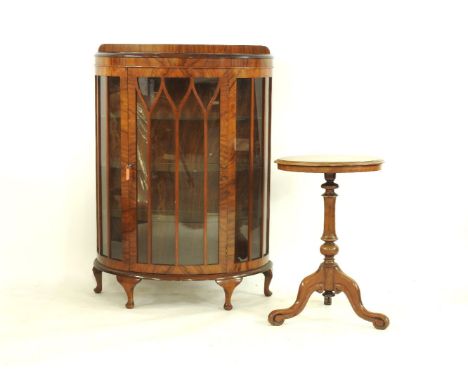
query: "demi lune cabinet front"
183, 175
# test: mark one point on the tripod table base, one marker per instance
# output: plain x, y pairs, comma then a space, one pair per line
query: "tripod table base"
316, 283
329, 279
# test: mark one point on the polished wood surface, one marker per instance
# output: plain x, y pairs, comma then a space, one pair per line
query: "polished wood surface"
98, 276
187, 276
183, 49
266, 288
129, 280
329, 279
177, 57
179, 64
329, 163
191, 163
228, 284
330, 160
128, 283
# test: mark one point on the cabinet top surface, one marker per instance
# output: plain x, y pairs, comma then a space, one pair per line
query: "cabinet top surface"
341, 163
182, 50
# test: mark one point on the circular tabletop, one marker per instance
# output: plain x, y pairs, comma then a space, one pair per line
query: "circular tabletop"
329, 163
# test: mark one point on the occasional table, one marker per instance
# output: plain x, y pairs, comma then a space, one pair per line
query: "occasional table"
329, 279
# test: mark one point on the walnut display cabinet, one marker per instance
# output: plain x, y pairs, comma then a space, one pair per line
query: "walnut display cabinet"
183, 164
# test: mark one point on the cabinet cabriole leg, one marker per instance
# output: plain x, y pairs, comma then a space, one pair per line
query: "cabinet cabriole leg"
266, 287
98, 276
128, 283
228, 285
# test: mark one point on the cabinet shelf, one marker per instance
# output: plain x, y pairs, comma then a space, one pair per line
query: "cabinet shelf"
170, 167
187, 119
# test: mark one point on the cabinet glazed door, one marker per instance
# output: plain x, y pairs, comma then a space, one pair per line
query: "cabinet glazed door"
174, 126
111, 156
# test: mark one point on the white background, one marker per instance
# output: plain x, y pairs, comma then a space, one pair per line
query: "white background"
388, 78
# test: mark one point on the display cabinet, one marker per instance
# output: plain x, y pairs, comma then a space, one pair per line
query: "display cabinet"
183, 164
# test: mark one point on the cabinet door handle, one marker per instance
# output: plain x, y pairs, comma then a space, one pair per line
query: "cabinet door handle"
128, 170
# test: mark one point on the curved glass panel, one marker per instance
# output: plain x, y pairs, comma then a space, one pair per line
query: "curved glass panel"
103, 166
252, 171
142, 181
213, 181
242, 167
115, 188
257, 184
110, 167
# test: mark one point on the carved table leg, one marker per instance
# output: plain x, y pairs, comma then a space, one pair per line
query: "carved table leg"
309, 285
128, 283
329, 278
98, 276
228, 285
266, 288
351, 290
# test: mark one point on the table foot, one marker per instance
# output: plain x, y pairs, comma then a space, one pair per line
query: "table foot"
351, 289
312, 283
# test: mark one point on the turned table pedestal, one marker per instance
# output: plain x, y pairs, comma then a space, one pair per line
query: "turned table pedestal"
329, 279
